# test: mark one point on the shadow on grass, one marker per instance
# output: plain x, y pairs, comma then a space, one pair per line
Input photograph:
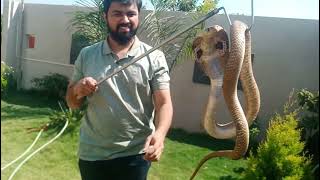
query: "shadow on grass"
205, 141
199, 139
26, 105
230, 177
31, 99
10, 112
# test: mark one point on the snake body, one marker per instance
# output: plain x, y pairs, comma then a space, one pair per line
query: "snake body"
224, 67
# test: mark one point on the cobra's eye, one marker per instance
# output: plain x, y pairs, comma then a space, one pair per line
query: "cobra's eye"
219, 45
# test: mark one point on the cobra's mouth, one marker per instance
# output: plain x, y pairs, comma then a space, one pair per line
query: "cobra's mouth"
219, 45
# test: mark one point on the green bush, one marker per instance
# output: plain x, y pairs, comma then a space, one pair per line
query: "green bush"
52, 85
254, 141
309, 122
310, 116
8, 81
280, 155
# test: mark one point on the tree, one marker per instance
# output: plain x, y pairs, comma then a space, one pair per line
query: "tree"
207, 5
185, 5
90, 24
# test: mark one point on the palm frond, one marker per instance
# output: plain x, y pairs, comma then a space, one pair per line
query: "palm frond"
90, 23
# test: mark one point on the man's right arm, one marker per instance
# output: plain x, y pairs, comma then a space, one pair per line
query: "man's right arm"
77, 91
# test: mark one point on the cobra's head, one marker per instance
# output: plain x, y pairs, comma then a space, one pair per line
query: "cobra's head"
211, 45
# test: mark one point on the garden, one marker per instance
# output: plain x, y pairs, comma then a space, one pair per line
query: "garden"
290, 149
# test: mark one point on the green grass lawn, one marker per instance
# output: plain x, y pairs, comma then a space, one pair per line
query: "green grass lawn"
58, 161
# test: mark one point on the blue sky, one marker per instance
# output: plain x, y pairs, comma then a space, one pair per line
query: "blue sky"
302, 9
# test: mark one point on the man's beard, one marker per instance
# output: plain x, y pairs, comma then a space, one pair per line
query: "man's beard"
122, 38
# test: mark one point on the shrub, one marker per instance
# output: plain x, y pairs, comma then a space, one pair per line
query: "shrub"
279, 156
59, 118
309, 122
253, 137
52, 85
8, 81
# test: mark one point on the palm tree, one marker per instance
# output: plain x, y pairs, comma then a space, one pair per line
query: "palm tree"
90, 23
157, 24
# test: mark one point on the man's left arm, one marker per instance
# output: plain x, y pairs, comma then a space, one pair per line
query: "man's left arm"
163, 112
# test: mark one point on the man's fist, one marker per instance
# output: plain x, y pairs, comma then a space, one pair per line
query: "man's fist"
85, 87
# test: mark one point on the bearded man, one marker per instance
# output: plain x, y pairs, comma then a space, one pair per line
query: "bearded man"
127, 116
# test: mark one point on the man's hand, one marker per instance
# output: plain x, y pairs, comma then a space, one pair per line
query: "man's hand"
85, 87
163, 109
154, 146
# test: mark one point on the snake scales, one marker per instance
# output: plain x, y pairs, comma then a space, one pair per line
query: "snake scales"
224, 67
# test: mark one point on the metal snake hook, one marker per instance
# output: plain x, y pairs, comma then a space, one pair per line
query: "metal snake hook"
252, 16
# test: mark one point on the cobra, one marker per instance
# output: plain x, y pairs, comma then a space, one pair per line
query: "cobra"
224, 66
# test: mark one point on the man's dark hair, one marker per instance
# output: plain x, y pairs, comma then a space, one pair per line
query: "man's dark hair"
107, 3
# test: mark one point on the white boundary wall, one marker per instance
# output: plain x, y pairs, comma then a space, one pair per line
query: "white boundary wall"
286, 57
